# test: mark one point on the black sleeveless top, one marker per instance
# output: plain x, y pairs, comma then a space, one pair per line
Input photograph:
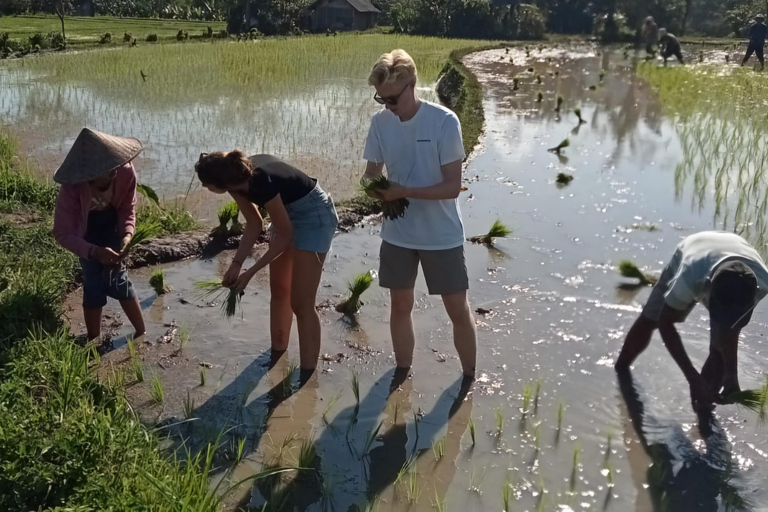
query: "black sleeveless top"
272, 176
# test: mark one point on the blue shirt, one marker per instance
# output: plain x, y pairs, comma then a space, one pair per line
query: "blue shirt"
757, 33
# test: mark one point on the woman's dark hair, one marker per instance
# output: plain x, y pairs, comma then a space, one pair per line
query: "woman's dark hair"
223, 170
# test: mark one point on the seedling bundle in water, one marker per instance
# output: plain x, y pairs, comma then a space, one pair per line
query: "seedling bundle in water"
157, 282
564, 144
498, 230
629, 269
215, 289
392, 209
563, 178
352, 304
756, 400
577, 111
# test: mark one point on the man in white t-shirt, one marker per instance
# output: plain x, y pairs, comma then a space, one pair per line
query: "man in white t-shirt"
726, 274
420, 144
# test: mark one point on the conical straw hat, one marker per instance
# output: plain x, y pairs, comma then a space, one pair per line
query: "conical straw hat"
94, 154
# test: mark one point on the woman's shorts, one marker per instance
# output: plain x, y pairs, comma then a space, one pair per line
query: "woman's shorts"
314, 221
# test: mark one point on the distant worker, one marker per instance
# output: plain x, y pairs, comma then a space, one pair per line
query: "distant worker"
651, 35
726, 274
757, 33
670, 46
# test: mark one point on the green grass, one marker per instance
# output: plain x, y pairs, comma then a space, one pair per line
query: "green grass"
172, 219
157, 391
88, 30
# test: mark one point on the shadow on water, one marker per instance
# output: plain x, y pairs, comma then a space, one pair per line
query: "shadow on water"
358, 458
680, 478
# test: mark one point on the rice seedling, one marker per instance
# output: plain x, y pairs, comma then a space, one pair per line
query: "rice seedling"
183, 336
607, 472
189, 406
148, 192
559, 104
138, 369
352, 304
498, 230
131, 349
577, 111
563, 144
438, 504
395, 412
226, 213
476, 479
506, 493
536, 396
538, 78
307, 453
391, 209
416, 427
537, 436
592, 87
630, 270
608, 439
356, 388
531, 70
539, 97
602, 75
472, 429
754, 400
229, 305
144, 231
202, 377
372, 439
499, 421
438, 448
527, 398
575, 470
412, 489
157, 392
157, 282
331, 403
515, 84
560, 410
563, 178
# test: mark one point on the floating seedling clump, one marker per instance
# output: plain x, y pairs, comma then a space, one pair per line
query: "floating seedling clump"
230, 299
563, 178
557, 149
352, 304
515, 84
630, 270
498, 230
227, 213
391, 209
577, 111
157, 282
539, 97
559, 104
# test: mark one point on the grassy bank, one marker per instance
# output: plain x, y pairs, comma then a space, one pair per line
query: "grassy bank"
87, 30
68, 439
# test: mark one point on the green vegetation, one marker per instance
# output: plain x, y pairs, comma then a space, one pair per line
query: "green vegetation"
352, 304
720, 120
216, 292
630, 270
557, 149
143, 232
498, 230
157, 282
391, 209
755, 400
563, 178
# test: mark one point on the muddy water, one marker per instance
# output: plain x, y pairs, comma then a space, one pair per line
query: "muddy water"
47, 115
556, 317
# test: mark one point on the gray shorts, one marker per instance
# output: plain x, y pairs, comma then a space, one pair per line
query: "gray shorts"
655, 304
445, 270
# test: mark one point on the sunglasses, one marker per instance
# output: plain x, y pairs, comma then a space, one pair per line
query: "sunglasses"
390, 100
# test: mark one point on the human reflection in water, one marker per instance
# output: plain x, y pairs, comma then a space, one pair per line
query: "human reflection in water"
679, 478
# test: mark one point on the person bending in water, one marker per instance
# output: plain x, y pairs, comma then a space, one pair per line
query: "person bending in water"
757, 33
304, 221
728, 276
420, 144
95, 220
670, 46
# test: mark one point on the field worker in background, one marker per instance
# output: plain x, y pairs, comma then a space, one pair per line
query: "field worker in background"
757, 33
95, 219
651, 35
727, 275
421, 146
670, 46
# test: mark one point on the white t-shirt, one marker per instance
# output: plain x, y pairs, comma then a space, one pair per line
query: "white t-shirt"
413, 152
696, 259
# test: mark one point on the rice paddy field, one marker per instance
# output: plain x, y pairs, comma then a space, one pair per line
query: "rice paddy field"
547, 426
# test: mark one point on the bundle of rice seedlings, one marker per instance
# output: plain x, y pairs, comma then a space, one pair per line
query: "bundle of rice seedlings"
540, 97
157, 282
143, 232
498, 230
215, 289
577, 111
225, 213
756, 400
564, 144
538, 78
352, 304
515, 84
391, 209
602, 75
629, 269
563, 178
147, 192
531, 70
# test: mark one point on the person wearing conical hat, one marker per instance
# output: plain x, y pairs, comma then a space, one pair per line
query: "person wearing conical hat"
95, 219
757, 34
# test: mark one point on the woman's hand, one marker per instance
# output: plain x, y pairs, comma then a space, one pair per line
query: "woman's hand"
243, 281
107, 257
231, 275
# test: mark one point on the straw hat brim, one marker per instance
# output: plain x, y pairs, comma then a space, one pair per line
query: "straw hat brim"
94, 154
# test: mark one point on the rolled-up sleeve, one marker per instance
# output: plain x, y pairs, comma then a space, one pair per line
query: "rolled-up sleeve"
66, 222
450, 144
372, 152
